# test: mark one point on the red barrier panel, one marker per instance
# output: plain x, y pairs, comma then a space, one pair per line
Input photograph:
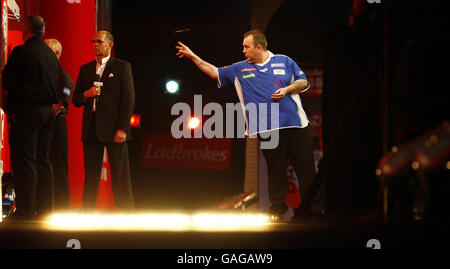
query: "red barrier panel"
73, 24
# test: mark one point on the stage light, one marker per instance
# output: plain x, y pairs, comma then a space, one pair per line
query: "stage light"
172, 86
135, 121
194, 122
97, 221
206, 221
378, 172
226, 221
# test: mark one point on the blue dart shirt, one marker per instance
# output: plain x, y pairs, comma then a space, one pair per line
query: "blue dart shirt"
255, 84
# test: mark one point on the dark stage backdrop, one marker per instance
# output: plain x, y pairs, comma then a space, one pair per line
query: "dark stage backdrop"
145, 36
352, 53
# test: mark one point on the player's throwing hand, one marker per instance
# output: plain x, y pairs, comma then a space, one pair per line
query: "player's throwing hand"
183, 51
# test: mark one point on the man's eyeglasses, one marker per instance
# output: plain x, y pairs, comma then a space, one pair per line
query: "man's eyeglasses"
97, 41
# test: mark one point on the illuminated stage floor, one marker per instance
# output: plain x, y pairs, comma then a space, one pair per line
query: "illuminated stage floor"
309, 233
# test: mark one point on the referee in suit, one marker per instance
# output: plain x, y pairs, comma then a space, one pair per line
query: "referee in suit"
105, 88
59, 148
31, 77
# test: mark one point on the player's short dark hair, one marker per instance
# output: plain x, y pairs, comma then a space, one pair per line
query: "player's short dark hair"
36, 25
258, 38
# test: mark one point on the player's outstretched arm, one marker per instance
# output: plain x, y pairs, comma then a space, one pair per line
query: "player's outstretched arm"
205, 67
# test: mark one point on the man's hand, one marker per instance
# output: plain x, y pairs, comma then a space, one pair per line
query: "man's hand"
183, 51
120, 136
279, 94
92, 92
296, 87
57, 108
205, 67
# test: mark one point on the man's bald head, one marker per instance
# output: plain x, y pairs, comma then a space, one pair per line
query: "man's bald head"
108, 36
102, 43
55, 46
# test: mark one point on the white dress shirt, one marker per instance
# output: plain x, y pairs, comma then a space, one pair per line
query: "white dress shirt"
101, 67
99, 71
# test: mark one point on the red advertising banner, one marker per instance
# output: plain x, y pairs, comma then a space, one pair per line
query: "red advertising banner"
164, 151
314, 74
293, 198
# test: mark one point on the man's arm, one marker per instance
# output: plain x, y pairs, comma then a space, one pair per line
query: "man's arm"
80, 96
295, 87
127, 96
205, 67
67, 88
12, 70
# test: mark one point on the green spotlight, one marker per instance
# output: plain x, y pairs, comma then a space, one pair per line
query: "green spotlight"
172, 86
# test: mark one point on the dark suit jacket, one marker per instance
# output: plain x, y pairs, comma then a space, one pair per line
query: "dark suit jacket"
115, 103
31, 75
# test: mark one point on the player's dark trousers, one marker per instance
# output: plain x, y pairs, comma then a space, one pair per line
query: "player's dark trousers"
120, 171
295, 144
59, 155
30, 137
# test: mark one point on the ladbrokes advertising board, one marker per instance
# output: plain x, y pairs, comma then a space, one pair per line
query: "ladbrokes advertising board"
164, 151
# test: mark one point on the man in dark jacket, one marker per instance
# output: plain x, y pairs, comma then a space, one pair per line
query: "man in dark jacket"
59, 149
31, 76
105, 88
